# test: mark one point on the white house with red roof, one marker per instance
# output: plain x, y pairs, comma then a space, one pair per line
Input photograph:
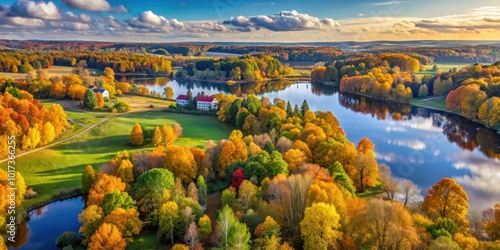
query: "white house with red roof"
182, 100
206, 103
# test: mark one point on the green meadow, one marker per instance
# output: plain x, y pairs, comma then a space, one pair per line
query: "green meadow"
58, 169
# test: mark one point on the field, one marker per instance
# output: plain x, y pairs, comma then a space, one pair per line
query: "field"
436, 103
443, 67
59, 168
52, 71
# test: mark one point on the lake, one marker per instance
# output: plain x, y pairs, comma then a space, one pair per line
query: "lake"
47, 223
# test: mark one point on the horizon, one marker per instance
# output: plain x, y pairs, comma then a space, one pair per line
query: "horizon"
190, 21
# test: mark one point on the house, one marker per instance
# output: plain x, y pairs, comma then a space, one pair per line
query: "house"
182, 101
206, 103
105, 93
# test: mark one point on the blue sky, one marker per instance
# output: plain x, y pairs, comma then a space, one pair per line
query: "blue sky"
245, 20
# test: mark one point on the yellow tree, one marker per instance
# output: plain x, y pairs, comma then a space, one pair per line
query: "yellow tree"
366, 147
169, 136
180, 161
48, 133
127, 221
326, 192
107, 237
125, 171
294, 158
168, 215
100, 100
366, 172
320, 225
492, 226
136, 136
105, 184
88, 178
157, 137
447, 199
247, 193
90, 218
205, 227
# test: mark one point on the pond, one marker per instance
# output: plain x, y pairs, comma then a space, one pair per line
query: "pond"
47, 223
417, 143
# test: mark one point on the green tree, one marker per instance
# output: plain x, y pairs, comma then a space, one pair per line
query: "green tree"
226, 221
304, 107
205, 227
202, 190
423, 91
90, 99
116, 199
149, 188
88, 178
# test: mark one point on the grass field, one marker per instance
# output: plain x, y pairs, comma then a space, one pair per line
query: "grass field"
145, 241
52, 71
438, 103
443, 67
59, 168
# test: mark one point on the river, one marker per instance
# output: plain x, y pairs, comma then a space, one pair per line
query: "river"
417, 143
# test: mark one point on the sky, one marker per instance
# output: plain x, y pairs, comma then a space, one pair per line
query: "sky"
250, 21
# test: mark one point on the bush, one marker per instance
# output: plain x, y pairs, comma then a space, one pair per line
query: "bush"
114, 110
122, 107
30, 194
68, 239
105, 106
151, 106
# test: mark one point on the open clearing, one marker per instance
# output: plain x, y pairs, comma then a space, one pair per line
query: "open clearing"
436, 103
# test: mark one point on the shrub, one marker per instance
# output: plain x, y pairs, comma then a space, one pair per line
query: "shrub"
68, 239
122, 107
30, 194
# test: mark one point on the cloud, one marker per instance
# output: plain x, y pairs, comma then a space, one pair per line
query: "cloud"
284, 21
360, 14
149, 21
69, 25
30, 9
389, 3
94, 5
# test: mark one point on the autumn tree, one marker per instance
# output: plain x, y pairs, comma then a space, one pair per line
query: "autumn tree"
447, 199
88, 178
107, 236
137, 136
423, 91
169, 92
180, 161
100, 100
472, 98
169, 135
492, 226
366, 172
127, 222
320, 225
205, 227
104, 184
157, 137
453, 99
389, 184
91, 218
409, 190
169, 214
294, 158
90, 99
202, 190
247, 193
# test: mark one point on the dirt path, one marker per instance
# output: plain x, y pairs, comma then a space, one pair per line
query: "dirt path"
65, 139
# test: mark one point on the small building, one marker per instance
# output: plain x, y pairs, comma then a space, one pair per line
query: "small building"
206, 103
182, 101
105, 93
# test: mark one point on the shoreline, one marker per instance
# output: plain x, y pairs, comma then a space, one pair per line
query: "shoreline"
413, 103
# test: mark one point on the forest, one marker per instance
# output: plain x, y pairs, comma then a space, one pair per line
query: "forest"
289, 179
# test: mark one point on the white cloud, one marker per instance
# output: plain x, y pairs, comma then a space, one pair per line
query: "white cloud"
31, 9
94, 5
284, 21
389, 3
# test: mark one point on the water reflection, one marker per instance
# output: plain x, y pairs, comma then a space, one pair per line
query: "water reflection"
420, 144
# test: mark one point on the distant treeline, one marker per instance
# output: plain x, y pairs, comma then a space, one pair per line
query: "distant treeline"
466, 54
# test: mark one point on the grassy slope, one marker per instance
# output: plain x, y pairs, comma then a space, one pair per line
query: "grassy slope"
436, 103
59, 168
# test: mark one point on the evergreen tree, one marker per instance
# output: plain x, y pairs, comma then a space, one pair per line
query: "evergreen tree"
90, 99
304, 107
289, 110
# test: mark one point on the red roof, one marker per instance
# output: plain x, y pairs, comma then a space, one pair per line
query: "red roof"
182, 97
205, 99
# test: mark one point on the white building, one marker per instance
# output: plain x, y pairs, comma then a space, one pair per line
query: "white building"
182, 101
206, 103
105, 93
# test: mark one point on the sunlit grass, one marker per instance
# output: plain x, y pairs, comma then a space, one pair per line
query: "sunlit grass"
59, 168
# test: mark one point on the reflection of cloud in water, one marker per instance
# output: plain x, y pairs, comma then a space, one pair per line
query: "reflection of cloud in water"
422, 123
482, 185
390, 157
413, 144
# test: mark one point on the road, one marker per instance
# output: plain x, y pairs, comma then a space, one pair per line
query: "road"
63, 140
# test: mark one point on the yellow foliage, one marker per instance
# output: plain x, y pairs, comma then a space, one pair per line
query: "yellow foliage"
107, 237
